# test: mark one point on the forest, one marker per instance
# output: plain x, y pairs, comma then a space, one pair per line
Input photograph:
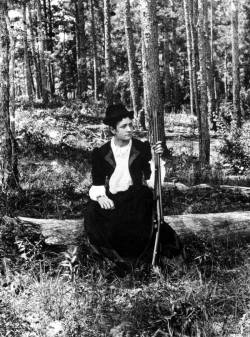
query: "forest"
62, 62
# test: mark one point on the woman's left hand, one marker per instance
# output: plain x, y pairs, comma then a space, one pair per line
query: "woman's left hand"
158, 149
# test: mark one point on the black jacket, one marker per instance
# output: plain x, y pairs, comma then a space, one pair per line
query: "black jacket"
103, 163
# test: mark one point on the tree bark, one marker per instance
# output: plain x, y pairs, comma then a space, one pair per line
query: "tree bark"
167, 75
174, 57
41, 47
51, 48
109, 85
35, 56
225, 76
187, 13
81, 50
12, 81
8, 164
94, 51
194, 51
235, 63
151, 72
210, 72
28, 74
213, 65
204, 138
133, 70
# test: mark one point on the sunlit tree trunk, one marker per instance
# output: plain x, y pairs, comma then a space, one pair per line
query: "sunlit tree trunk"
151, 72
204, 138
81, 50
41, 44
210, 72
212, 4
8, 166
186, 4
235, 63
28, 74
133, 70
94, 50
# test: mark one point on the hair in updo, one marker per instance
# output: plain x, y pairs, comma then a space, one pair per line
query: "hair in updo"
115, 113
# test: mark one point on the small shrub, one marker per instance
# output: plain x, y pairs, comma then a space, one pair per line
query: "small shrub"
235, 153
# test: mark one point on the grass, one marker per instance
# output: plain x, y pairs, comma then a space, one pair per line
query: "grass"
60, 295
211, 293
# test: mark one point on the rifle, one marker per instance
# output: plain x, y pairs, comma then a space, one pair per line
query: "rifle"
157, 189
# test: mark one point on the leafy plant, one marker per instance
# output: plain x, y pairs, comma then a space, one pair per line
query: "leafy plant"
234, 153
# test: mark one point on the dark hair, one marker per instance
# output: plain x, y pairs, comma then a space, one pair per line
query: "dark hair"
115, 113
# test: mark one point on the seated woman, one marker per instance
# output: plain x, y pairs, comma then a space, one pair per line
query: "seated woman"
118, 218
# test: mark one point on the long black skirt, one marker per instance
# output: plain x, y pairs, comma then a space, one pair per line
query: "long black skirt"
126, 229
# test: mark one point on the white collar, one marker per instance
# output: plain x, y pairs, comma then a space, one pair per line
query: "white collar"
120, 150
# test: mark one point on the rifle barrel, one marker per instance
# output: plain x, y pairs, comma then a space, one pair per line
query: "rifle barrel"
158, 191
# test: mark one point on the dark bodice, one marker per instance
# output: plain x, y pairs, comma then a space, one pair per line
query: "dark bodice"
103, 162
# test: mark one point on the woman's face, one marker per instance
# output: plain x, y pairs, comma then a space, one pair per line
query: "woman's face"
124, 129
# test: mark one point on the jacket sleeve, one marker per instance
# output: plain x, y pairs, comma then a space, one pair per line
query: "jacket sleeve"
151, 180
98, 174
146, 161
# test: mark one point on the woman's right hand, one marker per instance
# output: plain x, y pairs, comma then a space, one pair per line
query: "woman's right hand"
105, 202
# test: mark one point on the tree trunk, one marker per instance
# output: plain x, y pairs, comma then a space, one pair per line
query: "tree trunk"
41, 41
81, 50
12, 81
167, 75
225, 76
12, 108
210, 72
109, 85
194, 52
204, 139
133, 70
94, 50
187, 13
8, 164
51, 49
35, 56
214, 92
174, 57
235, 64
63, 233
28, 74
151, 72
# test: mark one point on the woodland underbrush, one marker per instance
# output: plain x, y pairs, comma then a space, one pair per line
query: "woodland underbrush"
75, 294
54, 166
206, 296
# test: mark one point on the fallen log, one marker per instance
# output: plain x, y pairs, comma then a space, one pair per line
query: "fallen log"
71, 232
241, 190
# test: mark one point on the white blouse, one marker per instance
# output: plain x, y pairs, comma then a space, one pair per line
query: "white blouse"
121, 179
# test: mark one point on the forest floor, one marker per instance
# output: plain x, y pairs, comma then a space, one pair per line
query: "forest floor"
208, 296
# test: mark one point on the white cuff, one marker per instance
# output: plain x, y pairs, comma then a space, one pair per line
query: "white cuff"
95, 191
151, 180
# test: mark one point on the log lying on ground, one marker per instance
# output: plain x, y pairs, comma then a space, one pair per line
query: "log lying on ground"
242, 190
212, 225
71, 232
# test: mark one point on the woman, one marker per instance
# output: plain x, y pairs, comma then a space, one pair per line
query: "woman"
118, 219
